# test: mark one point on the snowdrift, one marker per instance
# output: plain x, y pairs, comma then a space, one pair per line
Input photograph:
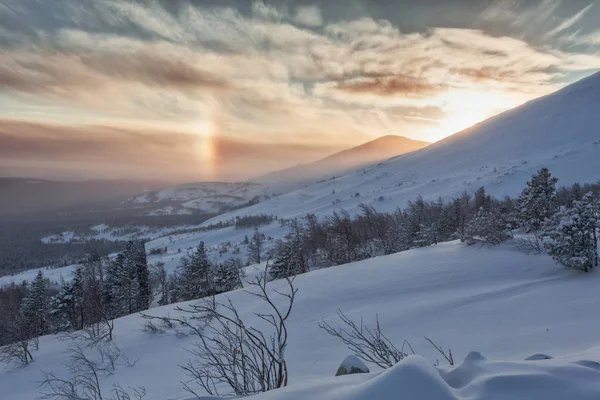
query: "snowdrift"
474, 379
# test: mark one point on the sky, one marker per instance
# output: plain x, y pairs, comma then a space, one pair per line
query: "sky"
232, 89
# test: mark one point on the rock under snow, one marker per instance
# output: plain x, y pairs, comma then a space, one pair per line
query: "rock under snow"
539, 357
352, 365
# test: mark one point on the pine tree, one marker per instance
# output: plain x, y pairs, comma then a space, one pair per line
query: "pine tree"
77, 300
227, 276
36, 305
592, 204
291, 260
142, 275
255, 247
569, 237
537, 201
487, 226
196, 275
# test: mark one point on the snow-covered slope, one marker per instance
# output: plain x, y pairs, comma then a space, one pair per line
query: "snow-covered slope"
340, 163
504, 304
202, 196
559, 131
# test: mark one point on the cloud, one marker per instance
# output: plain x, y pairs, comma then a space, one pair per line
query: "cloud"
569, 22
308, 16
101, 151
388, 86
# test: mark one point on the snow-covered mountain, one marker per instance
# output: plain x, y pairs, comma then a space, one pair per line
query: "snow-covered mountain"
559, 131
340, 163
202, 196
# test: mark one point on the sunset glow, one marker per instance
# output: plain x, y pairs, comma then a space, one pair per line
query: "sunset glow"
206, 91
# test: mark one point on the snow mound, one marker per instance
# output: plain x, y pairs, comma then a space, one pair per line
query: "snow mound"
476, 378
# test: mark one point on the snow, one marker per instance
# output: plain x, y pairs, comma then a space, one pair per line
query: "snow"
203, 196
53, 274
500, 302
556, 131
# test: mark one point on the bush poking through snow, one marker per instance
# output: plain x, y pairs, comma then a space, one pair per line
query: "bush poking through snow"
352, 365
368, 344
84, 379
372, 346
231, 353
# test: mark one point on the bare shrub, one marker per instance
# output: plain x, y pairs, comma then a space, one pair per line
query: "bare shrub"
84, 380
529, 245
231, 353
21, 339
448, 356
368, 344
372, 346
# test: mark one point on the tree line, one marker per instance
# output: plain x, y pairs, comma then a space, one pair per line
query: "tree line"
564, 222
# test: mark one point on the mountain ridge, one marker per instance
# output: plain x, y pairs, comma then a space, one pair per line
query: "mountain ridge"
375, 150
557, 131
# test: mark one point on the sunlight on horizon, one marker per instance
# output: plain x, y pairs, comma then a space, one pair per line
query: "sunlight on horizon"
206, 146
466, 108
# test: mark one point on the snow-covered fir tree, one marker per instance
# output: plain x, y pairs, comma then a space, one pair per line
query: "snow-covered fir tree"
291, 260
537, 201
128, 280
36, 306
570, 239
196, 275
255, 247
63, 309
227, 276
487, 226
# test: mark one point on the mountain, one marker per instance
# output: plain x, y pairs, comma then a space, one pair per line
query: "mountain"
210, 197
339, 163
559, 131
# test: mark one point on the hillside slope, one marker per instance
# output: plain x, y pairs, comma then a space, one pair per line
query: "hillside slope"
339, 163
445, 292
559, 131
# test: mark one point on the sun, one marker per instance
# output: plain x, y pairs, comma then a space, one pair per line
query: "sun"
461, 120
464, 108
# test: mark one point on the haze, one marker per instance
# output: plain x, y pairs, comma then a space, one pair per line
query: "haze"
230, 90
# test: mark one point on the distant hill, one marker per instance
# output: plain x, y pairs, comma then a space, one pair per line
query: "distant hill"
340, 163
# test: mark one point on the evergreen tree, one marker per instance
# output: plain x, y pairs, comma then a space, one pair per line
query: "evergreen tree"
142, 276
36, 305
255, 247
291, 260
569, 237
128, 281
537, 201
227, 276
196, 275
77, 300
481, 199
488, 226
